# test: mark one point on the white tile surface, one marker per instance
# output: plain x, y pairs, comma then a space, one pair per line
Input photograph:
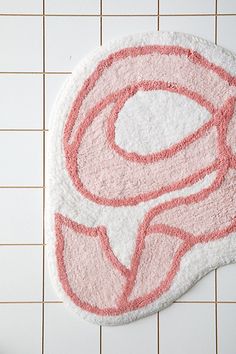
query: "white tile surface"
20, 273
129, 7
187, 6
226, 25
24, 206
72, 7
138, 337
199, 26
53, 85
187, 328
20, 329
204, 290
49, 291
21, 43
21, 101
227, 6
114, 27
20, 158
65, 333
226, 328
65, 44
20, 7
226, 283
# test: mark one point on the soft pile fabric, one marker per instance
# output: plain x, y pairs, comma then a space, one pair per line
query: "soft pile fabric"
142, 175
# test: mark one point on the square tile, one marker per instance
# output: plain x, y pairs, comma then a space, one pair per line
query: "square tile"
65, 40
21, 158
21, 101
125, 7
226, 24
187, 328
226, 6
226, 283
187, 6
137, 337
67, 333
122, 26
20, 7
53, 84
24, 206
203, 290
72, 7
226, 328
20, 273
199, 26
21, 43
20, 328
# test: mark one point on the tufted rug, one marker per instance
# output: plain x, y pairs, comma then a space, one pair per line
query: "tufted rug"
142, 175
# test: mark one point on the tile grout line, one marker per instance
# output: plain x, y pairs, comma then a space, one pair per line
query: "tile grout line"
100, 43
117, 15
21, 244
216, 21
216, 312
158, 15
216, 280
35, 72
23, 130
158, 332
101, 23
22, 187
43, 152
29, 302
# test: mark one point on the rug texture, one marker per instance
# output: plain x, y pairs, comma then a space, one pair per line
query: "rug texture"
142, 175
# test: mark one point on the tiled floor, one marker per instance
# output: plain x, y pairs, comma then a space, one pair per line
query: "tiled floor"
37, 54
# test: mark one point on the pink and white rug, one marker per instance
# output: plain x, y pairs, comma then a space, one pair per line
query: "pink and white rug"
142, 175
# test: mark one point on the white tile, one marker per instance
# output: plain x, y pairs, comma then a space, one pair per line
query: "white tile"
226, 328
226, 283
21, 158
198, 26
22, 6
128, 7
203, 290
137, 337
20, 328
226, 26
226, 6
187, 6
53, 85
187, 328
114, 27
21, 101
68, 39
24, 206
49, 291
67, 333
21, 43
73, 7
20, 273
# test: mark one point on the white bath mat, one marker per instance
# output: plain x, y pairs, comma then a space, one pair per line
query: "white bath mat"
142, 175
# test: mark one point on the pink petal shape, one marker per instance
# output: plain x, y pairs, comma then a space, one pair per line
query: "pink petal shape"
89, 272
155, 263
213, 214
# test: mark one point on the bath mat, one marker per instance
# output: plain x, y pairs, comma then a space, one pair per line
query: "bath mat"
142, 175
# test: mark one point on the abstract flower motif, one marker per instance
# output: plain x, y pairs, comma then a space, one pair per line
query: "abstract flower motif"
85, 258
107, 175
